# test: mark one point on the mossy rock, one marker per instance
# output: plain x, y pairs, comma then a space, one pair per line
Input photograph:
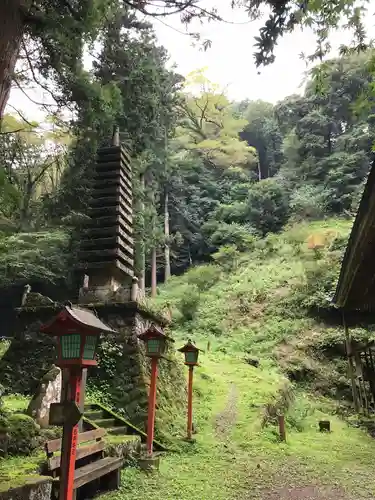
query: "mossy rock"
23, 434
126, 447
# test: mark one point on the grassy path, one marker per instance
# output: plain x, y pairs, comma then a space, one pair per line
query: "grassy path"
235, 459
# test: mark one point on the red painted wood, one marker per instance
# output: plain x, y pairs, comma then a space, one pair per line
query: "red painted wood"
190, 403
152, 405
70, 441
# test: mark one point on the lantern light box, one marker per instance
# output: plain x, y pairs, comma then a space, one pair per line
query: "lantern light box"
77, 331
191, 353
156, 341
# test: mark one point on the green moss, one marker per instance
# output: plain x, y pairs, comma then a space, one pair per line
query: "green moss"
22, 432
16, 470
15, 402
33, 479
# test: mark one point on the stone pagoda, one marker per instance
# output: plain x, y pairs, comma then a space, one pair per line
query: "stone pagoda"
107, 249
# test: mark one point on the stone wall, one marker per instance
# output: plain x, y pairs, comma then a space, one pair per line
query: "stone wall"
30, 488
123, 371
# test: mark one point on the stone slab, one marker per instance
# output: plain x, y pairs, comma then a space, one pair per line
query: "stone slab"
27, 488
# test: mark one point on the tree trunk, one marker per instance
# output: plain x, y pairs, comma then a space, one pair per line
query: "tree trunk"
25, 217
167, 252
11, 31
153, 273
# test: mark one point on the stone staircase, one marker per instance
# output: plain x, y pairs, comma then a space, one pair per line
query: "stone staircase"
97, 415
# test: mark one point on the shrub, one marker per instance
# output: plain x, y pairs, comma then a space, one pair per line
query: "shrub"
317, 291
237, 212
188, 304
204, 277
227, 257
267, 206
308, 202
233, 234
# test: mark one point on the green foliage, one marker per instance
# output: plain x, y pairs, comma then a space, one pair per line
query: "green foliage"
308, 202
209, 127
321, 275
204, 277
231, 397
33, 256
189, 302
263, 133
267, 206
223, 234
227, 257
22, 432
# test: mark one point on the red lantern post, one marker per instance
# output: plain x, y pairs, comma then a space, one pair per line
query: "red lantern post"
156, 343
191, 353
77, 331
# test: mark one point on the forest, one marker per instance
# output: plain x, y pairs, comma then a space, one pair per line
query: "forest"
210, 175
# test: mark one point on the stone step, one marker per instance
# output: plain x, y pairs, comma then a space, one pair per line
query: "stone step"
90, 406
105, 422
93, 414
117, 430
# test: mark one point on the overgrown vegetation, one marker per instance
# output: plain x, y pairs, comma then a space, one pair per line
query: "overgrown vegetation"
259, 311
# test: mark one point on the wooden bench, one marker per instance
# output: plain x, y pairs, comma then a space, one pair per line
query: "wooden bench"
91, 465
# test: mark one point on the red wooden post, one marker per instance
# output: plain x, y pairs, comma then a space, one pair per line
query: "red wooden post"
77, 331
190, 403
191, 353
152, 404
69, 440
282, 427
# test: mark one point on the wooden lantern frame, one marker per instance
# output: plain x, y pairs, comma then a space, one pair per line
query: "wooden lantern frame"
73, 326
188, 349
155, 336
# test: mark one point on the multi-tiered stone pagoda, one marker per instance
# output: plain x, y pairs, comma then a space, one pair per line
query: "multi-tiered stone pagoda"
107, 248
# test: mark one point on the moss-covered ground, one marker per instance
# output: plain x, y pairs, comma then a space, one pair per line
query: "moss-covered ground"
252, 309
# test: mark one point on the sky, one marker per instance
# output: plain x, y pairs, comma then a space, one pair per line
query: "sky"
229, 61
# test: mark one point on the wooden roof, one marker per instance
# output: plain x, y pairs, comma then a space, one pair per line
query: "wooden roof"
83, 318
356, 285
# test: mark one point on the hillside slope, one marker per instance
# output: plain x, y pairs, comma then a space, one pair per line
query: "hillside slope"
253, 308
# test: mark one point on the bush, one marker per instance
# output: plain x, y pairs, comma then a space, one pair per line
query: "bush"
188, 305
204, 277
320, 282
308, 202
237, 212
267, 206
227, 257
233, 234
23, 433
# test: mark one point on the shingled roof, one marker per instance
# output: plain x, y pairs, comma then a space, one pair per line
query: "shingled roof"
79, 316
356, 285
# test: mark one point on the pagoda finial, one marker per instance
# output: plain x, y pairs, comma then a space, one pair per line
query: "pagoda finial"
116, 136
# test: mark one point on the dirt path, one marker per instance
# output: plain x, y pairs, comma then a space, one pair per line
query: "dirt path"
306, 493
225, 420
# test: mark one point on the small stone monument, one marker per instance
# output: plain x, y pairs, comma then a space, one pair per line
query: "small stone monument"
49, 391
